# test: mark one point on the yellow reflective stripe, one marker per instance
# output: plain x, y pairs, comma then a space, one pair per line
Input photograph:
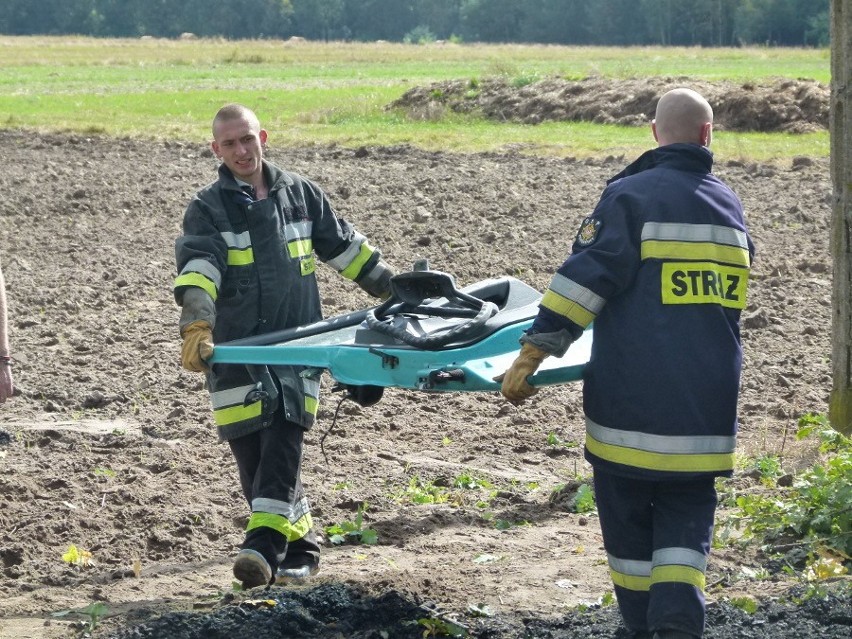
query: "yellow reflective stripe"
660, 461
307, 265
239, 413
630, 582
240, 257
567, 308
704, 283
354, 269
678, 574
197, 279
572, 290
300, 248
350, 253
291, 530
311, 405
663, 250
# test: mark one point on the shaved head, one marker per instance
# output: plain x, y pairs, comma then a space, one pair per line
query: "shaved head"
683, 116
231, 112
238, 141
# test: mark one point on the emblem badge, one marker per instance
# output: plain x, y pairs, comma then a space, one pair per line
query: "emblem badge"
588, 232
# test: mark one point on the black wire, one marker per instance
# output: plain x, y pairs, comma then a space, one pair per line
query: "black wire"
331, 428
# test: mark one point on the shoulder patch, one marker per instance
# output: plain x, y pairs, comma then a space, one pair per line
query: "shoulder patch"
588, 232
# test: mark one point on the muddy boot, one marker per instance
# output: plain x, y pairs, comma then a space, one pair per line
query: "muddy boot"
673, 634
301, 561
297, 567
251, 569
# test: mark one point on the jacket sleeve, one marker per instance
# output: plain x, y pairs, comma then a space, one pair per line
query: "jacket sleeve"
603, 262
201, 254
341, 246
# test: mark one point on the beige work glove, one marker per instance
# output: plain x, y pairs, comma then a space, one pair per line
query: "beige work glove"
514, 381
197, 346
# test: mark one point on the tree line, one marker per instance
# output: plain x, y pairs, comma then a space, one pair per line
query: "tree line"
571, 22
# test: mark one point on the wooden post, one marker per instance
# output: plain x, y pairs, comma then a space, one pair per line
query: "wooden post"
840, 404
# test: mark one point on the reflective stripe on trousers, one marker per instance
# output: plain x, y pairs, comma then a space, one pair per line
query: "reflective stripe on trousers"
657, 537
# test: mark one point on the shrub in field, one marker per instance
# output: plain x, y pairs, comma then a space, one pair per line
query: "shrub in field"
814, 513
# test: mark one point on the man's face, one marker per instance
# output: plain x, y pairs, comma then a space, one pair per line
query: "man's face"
239, 144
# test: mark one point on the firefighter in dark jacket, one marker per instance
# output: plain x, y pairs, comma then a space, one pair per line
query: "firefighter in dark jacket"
246, 263
661, 268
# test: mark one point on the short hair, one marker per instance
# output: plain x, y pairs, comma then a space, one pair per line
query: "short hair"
680, 115
234, 111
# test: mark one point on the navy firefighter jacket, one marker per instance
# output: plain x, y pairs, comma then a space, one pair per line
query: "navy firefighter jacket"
661, 267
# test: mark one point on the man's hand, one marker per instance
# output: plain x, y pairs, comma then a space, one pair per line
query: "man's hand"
514, 381
197, 346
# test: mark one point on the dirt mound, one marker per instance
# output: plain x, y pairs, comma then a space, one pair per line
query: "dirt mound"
793, 106
337, 611
112, 448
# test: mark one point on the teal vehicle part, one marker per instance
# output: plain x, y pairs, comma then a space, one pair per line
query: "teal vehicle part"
428, 336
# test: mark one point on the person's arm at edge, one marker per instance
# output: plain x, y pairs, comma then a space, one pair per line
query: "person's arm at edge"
6, 383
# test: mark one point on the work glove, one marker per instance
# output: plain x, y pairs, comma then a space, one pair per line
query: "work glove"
514, 381
197, 346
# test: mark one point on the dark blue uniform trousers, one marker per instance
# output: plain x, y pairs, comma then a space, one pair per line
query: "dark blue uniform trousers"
269, 461
657, 536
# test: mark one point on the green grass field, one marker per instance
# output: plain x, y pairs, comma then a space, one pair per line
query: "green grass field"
310, 92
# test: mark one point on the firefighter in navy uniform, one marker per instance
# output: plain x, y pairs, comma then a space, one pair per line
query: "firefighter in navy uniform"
246, 264
661, 268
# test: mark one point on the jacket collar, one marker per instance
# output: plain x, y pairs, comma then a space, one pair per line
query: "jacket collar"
684, 157
275, 177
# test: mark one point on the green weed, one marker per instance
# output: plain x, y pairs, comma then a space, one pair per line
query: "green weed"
583, 498
745, 603
554, 440
435, 627
469, 481
352, 531
505, 524
815, 513
584, 502
769, 468
520, 81
421, 492
94, 612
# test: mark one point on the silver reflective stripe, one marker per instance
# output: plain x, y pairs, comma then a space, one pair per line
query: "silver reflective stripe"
230, 396
205, 268
573, 291
237, 241
633, 567
670, 444
680, 557
375, 274
298, 230
345, 259
673, 232
293, 512
311, 386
